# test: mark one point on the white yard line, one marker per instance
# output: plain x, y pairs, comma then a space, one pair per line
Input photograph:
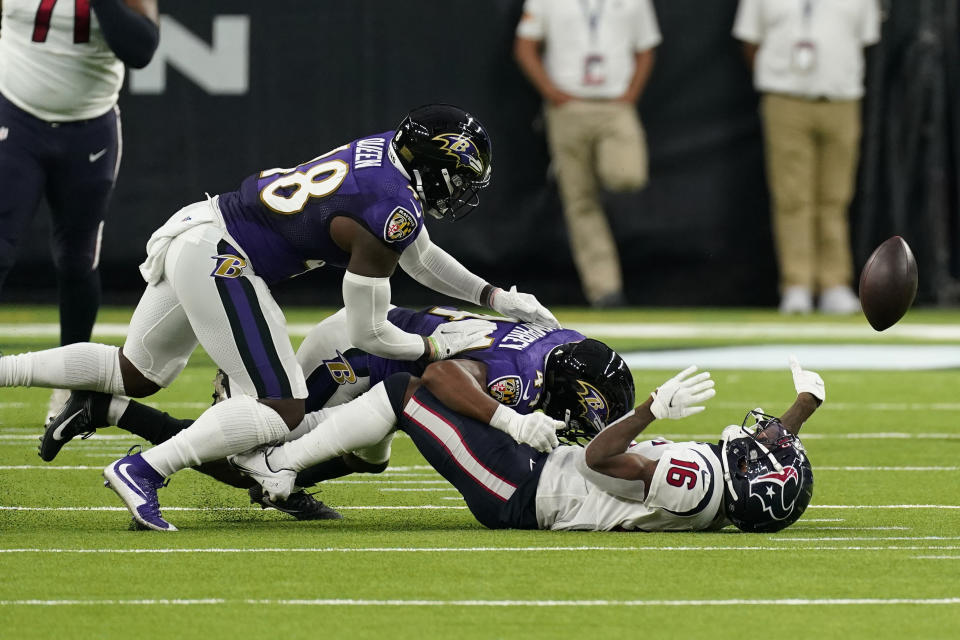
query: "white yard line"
339, 602
428, 506
432, 478
252, 509
532, 549
884, 506
419, 490
717, 330
705, 437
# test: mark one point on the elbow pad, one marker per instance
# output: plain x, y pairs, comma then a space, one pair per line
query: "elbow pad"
367, 301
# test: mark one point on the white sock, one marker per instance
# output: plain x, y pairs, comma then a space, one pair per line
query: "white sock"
118, 404
234, 425
85, 365
364, 422
378, 453
308, 424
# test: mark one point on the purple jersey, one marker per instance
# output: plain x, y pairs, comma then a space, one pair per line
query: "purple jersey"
281, 217
515, 360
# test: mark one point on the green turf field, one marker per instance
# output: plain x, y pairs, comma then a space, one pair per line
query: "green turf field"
877, 555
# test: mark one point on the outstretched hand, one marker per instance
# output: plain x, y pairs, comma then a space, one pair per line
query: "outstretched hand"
680, 396
807, 381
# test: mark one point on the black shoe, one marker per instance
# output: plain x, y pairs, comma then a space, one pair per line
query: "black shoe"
300, 504
83, 413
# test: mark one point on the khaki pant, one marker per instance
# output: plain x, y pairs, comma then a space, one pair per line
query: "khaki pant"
595, 145
812, 153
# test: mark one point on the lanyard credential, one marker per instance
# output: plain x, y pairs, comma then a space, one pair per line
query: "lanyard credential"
592, 14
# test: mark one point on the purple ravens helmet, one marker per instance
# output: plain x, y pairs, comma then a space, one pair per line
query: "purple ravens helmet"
768, 475
587, 385
447, 153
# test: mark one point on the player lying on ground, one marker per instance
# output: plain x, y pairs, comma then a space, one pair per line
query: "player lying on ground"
525, 367
209, 270
756, 477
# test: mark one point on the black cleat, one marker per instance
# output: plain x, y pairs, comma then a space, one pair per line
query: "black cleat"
300, 504
83, 413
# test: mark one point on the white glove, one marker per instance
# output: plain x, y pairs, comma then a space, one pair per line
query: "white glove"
674, 399
807, 381
450, 338
522, 306
535, 429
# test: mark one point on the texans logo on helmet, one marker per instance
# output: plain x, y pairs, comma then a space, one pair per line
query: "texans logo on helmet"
592, 400
400, 224
462, 148
769, 489
340, 370
228, 266
506, 390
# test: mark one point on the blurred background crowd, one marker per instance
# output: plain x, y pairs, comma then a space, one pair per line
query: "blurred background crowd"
646, 152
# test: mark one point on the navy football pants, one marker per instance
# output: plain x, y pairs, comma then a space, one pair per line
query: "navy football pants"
496, 475
74, 165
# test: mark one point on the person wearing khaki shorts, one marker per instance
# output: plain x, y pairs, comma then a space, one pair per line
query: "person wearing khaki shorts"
596, 59
807, 57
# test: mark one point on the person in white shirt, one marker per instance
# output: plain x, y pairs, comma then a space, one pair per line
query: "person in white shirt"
61, 69
590, 60
757, 477
807, 58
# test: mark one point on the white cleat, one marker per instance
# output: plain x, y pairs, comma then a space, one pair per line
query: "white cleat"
277, 484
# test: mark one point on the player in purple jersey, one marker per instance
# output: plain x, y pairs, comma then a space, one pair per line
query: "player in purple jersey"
210, 267
513, 370
61, 69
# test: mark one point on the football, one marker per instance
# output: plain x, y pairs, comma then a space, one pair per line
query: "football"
888, 283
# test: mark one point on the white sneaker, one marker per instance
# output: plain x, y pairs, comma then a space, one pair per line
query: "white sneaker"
839, 301
277, 485
796, 299
58, 398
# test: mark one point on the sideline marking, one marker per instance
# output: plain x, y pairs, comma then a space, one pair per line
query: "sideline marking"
338, 602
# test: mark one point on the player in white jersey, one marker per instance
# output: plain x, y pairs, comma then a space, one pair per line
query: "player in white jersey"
61, 69
757, 477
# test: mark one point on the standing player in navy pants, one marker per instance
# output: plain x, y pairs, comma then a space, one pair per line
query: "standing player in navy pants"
61, 69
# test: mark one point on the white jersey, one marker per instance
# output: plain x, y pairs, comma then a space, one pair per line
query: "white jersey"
54, 61
686, 493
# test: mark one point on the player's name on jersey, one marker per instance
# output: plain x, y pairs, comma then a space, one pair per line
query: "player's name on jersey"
523, 335
368, 153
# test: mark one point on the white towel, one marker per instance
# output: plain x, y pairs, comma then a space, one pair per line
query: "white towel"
183, 220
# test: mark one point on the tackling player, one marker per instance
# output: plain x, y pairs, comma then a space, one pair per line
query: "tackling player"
756, 477
61, 69
526, 367
209, 269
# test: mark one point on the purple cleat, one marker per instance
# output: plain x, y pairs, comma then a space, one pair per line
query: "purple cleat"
136, 482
